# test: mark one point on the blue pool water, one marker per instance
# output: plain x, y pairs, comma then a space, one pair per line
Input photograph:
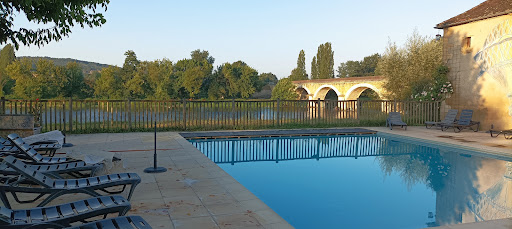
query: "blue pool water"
373, 181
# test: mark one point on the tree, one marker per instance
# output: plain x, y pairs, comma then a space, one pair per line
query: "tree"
284, 90
25, 87
63, 14
299, 73
266, 79
130, 63
191, 73
314, 69
89, 83
6, 57
323, 64
199, 55
193, 77
343, 70
217, 84
405, 67
48, 81
109, 84
366, 67
350, 69
135, 84
242, 80
74, 83
159, 76
369, 64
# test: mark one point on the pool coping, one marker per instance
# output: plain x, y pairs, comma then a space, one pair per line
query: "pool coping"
275, 133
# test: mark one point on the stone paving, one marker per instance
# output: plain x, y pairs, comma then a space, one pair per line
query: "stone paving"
193, 193
196, 193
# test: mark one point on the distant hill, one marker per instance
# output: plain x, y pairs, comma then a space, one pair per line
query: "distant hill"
87, 67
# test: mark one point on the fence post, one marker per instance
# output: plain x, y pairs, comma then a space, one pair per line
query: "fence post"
2, 100
184, 114
318, 112
70, 114
359, 107
233, 112
129, 110
278, 112
437, 114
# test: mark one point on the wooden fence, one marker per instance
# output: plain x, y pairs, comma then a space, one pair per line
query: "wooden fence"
128, 115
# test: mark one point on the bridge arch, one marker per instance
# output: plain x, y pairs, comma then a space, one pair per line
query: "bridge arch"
322, 91
355, 91
303, 92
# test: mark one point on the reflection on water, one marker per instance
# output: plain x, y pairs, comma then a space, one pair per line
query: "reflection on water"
395, 183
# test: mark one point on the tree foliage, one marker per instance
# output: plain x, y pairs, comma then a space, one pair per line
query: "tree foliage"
63, 14
433, 89
7, 56
284, 90
135, 84
25, 86
217, 84
191, 73
366, 67
266, 79
241, 79
158, 73
299, 73
160, 79
46, 80
314, 69
323, 64
405, 66
110, 84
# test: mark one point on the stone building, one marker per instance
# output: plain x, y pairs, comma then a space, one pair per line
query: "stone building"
477, 48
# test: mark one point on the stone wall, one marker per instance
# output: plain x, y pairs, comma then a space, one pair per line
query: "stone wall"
480, 73
23, 125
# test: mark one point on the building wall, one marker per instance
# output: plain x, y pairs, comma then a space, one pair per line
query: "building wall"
481, 73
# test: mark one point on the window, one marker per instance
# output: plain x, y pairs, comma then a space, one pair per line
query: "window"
467, 42
466, 45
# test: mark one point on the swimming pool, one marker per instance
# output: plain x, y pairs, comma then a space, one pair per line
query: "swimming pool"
366, 181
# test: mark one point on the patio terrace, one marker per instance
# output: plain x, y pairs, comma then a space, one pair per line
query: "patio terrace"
196, 193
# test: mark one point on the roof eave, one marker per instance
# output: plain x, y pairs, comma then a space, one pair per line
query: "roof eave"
441, 26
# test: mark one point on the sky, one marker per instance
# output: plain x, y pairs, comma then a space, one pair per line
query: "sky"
267, 35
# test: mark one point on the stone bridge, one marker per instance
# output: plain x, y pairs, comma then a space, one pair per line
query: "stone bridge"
345, 88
